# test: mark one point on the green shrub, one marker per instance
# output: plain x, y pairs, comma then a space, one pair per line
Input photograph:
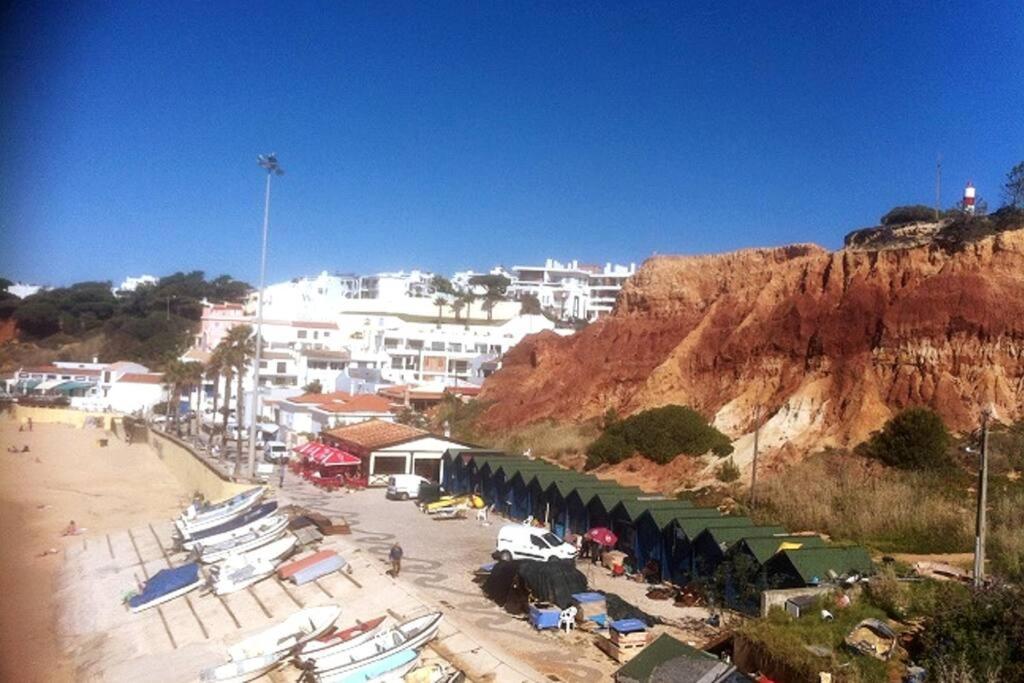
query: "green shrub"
727, 472
916, 439
660, 434
916, 213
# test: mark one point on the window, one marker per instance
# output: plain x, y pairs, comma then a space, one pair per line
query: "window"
553, 540
326, 335
302, 334
263, 365
454, 346
437, 346
316, 334
390, 343
538, 542
281, 368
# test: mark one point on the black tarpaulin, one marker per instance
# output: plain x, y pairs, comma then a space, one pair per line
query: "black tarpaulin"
554, 582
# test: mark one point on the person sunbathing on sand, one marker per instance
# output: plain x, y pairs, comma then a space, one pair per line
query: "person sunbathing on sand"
72, 529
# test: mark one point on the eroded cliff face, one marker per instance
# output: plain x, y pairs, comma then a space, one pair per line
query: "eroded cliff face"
828, 344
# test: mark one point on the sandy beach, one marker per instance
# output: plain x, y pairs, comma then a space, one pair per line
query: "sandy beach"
57, 481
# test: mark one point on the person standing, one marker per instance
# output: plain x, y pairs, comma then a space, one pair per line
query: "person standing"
396, 559
30, 424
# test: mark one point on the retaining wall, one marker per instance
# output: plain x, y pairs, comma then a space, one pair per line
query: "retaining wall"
75, 418
193, 473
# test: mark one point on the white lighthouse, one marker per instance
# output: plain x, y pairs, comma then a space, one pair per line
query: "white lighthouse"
969, 198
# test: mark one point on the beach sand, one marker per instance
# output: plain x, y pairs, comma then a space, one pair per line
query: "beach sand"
64, 476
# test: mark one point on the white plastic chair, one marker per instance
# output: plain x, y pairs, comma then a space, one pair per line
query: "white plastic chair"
567, 619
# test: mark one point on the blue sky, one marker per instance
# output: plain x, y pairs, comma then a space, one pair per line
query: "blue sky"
454, 135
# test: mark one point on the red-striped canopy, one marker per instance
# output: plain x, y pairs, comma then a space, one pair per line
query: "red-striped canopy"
323, 454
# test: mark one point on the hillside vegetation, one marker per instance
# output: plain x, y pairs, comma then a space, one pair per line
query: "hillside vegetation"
148, 325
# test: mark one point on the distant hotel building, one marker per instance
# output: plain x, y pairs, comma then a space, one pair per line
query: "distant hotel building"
573, 290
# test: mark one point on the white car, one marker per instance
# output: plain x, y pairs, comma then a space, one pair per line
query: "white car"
405, 486
523, 542
275, 451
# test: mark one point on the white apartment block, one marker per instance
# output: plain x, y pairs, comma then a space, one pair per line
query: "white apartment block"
396, 286
572, 290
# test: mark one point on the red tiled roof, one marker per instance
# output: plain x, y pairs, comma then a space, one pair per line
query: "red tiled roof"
374, 434
398, 393
358, 404
468, 390
142, 378
321, 398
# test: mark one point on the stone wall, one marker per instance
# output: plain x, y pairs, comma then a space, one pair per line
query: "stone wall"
188, 468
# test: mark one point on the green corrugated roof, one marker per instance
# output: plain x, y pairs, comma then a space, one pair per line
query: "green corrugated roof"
665, 516
815, 563
546, 479
665, 649
565, 482
727, 535
636, 508
762, 548
692, 526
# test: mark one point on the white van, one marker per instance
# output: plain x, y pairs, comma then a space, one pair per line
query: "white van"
523, 542
405, 486
275, 451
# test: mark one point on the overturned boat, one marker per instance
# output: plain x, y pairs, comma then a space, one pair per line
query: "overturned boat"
165, 585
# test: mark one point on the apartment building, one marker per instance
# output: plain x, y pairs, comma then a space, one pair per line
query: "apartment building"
572, 290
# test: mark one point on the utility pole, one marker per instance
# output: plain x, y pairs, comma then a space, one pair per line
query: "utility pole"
979, 540
753, 469
938, 185
269, 163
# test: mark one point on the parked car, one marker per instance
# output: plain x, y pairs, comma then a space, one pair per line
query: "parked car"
405, 486
275, 451
524, 542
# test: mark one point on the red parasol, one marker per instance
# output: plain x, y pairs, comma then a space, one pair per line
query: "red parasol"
602, 535
338, 458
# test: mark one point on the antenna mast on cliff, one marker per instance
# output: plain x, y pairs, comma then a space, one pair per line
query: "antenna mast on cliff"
938, 185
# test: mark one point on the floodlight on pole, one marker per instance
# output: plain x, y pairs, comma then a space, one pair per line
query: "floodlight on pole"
270, 164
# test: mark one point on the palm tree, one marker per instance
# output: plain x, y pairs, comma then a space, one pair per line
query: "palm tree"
175, 375
491, 299
242, 349
214, 368
223, 353
440, 302
467, 299
194, 382
457, 305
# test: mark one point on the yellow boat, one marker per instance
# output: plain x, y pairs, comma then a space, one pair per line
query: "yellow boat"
467, 501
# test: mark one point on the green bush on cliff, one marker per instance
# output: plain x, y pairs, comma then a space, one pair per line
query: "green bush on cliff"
659, 434
916, 439
916, 213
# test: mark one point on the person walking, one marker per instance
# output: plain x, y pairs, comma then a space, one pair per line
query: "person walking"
396, 559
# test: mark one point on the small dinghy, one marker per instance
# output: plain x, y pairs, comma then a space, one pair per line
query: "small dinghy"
165, 585
391, 668
275, 551
240, 672
235, 532
341, 640
241, 520
287, 635
234, 574
199, 517
409, 635
269, 531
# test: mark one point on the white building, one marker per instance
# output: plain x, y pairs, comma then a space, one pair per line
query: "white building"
22, 290
313, 413
306, 298
572, 290
130, 284
122, 387
394, 286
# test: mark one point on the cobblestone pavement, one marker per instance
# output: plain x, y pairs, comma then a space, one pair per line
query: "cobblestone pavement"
440, 557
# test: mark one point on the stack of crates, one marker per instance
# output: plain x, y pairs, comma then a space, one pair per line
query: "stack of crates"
590, 607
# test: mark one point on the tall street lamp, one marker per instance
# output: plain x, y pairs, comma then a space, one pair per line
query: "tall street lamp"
268, 162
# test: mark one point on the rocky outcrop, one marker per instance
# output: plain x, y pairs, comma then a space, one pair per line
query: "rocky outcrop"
828, 345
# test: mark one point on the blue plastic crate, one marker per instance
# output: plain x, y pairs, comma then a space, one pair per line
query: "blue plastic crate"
543, 617
629, 625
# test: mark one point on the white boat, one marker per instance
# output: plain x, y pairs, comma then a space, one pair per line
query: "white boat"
199, 517
340, 640
410, 635
271, 552
242, 544
165, 585
287, 635
257, 525
240, 672
232, 575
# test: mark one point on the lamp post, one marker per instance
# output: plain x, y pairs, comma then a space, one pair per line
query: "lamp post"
269, 163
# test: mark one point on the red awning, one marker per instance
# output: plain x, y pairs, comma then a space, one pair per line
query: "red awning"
340, 458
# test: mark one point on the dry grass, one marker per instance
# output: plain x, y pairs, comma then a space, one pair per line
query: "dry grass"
548, 439
1006, 536
887, 509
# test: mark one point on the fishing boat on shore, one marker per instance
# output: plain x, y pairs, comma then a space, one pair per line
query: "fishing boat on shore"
240, 672
282, 638
341, 640
275, 551
241, 529
390, 668
239, 520
268, 531
165, 585
197, 517
409, 635
235, 574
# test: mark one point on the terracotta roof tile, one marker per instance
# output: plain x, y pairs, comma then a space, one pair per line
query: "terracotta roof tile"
321, 398
140, 378
374, 434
